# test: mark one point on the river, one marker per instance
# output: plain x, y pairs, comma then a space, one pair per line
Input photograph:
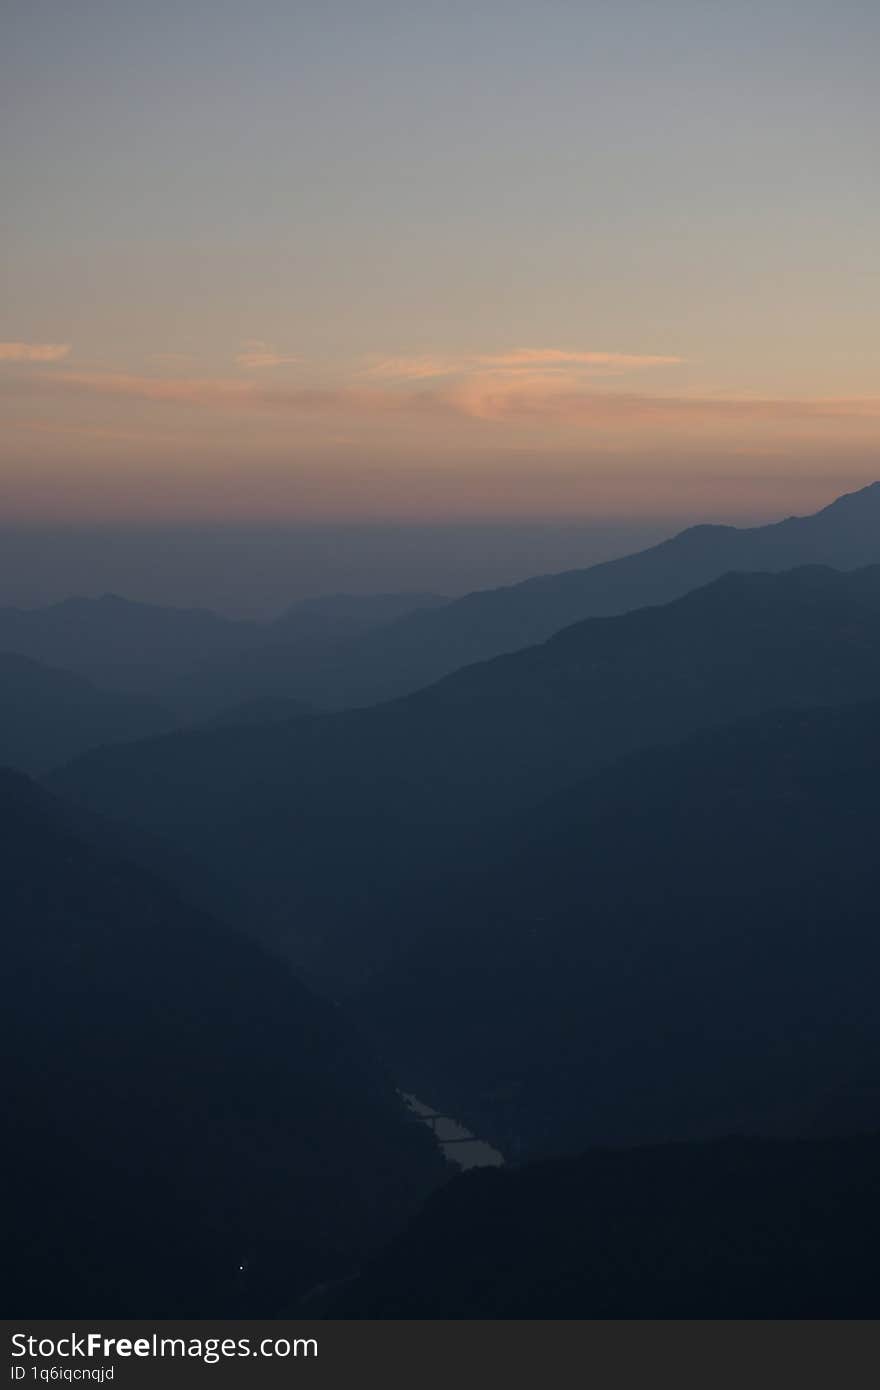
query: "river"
461, 1147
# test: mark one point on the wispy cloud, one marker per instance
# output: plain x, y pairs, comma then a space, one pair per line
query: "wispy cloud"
559, 402
526, 397
221, 392
549, 360
255, 353
33, 352
559, 357
412, 368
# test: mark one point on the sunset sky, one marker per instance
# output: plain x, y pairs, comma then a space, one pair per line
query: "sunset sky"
364, 261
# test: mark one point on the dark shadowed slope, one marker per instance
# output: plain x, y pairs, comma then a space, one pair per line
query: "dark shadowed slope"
48, 715
176, 1107
317, 820
686, 944
426, 645
733, 1229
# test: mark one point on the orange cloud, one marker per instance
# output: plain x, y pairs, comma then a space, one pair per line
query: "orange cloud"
518, 360
413, 368
33, 352
175, 390
556, 357
256, 353
230, 393
560, 398
499, 397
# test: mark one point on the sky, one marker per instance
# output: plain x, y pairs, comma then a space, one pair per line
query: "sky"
485, 263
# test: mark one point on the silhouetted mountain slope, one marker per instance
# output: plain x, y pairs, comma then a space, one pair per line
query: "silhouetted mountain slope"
48, 715
732, 1229
425, 646
318, 820
176, 1106
686, 944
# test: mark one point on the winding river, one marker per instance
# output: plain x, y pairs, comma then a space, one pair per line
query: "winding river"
458, 1144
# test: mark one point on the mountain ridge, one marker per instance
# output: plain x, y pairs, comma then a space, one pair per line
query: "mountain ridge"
341, 652
331, 813
419, 649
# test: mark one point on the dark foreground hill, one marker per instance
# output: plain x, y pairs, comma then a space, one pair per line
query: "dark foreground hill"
188, 1131
48, 715
316, 822
686, 944
732, 1229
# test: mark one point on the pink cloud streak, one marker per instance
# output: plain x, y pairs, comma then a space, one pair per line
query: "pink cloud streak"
33, 352
520, 359
490, 397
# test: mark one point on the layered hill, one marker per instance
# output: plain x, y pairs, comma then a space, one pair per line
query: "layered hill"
354, 611
48, 715
196, 661
320, 822
120, 643
188, 1131
425, 645
343, 651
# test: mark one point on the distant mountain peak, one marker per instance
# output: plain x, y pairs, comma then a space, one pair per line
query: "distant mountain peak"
864, 501
94, 600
